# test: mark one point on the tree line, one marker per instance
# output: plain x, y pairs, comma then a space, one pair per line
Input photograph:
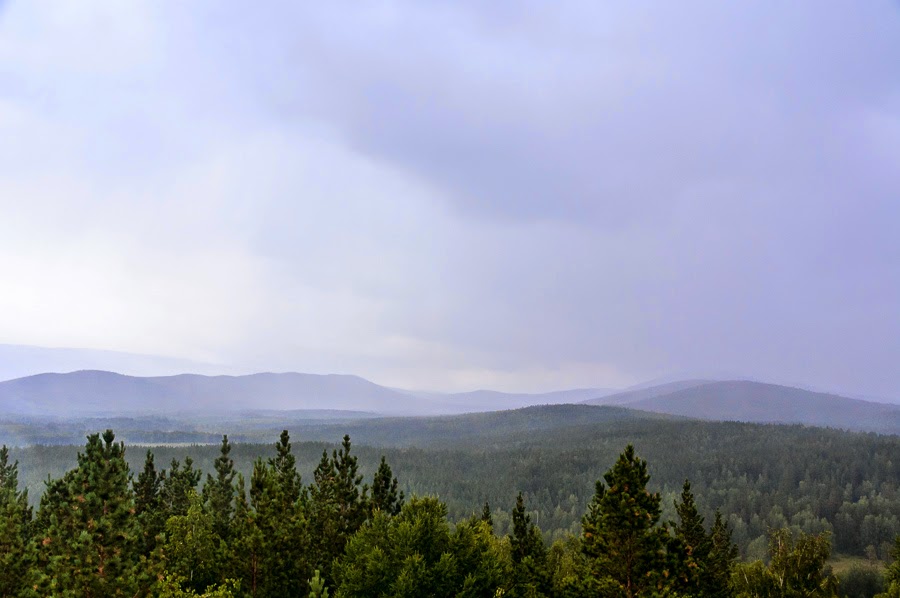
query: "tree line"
100, 531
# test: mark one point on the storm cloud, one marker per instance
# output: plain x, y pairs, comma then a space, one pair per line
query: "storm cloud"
454, 195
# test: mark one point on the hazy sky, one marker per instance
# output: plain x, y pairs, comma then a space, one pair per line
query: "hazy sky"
452, 195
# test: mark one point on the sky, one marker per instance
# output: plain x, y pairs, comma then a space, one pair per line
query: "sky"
439, 195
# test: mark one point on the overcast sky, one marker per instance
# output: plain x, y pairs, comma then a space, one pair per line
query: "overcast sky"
453, 195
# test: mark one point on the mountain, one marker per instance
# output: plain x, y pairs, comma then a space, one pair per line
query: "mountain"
629, 396
741, 400
492, 400
94, 392
18, 361
97, 392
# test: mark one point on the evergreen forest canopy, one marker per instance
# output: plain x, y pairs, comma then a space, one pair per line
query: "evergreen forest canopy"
100, 530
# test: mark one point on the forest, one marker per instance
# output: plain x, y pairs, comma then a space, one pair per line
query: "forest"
105, 529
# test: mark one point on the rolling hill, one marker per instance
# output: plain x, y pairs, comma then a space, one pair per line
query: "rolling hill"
93, 392
742, 400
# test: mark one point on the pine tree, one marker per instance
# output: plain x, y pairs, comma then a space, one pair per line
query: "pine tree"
248, 543
529, 556
15, 518
148, 505
278, 502
693, 542
177, 485
218, 492
486, 515
88, 544
620, 537
338, 505
723, 555
385, 494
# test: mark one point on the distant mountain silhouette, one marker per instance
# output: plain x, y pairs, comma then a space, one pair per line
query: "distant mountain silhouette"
740, 400
93, 392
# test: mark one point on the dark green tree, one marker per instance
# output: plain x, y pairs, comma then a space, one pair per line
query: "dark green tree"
625, 548
723, 554
88, 546
15, 520
338, 505
415, 554
700, 571
177, 485
148, 505
486, 515
279, 532
218, 492
530, 576
386, 495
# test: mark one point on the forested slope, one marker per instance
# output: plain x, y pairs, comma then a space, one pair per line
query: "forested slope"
760, 476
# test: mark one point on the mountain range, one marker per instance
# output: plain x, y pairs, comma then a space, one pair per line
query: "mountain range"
93, 393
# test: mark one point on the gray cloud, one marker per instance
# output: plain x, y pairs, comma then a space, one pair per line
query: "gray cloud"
449, 194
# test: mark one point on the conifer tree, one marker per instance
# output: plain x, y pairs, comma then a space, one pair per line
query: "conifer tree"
278, 501
338, 505
529, 556
248, 543
385, 494
87, 547
192, 546
218, 492
148, 505
178, 483
723, 555
693, 543
15, 518
486, 515
624, 547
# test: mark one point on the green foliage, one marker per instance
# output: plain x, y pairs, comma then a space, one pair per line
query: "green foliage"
97, 534
386, 495
15, 516
529, 556
218, 492
148, 507
338, 505
797, 568
892, 574
624, 546
192, 550
415, 554
317, 588
707, 560
87, 544
861, 582
274, 549
171, 587
177, 485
